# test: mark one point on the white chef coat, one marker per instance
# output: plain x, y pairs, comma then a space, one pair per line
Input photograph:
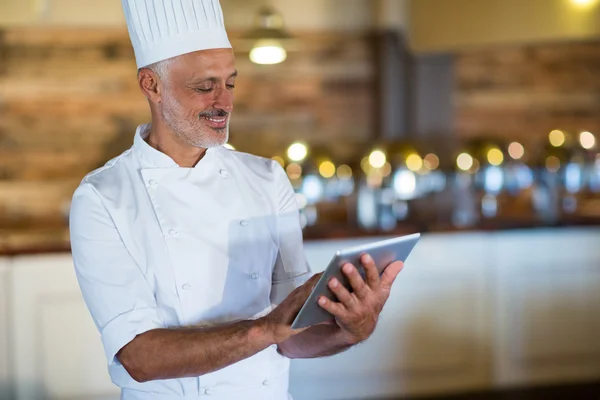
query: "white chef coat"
155, 246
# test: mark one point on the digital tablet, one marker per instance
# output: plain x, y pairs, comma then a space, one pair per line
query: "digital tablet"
384, 252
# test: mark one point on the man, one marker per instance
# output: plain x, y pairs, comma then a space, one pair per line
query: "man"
182, 248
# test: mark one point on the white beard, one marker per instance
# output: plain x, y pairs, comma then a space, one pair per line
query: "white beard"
189, 129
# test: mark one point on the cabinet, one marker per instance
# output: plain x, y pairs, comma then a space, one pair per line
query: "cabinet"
547, 307
57, 349
470, 311
5, 381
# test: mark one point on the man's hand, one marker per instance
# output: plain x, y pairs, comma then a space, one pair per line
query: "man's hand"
356, 313
279, 321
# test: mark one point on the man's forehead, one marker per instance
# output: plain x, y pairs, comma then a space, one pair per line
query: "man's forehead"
205, 63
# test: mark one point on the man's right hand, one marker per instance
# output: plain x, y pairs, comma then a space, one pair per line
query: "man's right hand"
279, 321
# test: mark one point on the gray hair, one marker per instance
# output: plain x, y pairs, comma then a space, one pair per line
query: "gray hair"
161, 68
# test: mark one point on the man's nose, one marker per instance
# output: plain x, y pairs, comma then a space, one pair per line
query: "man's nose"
224, 100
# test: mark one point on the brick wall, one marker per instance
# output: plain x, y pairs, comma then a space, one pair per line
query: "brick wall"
69, 102
524, 92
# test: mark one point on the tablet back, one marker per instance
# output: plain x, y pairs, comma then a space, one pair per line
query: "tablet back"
383, 252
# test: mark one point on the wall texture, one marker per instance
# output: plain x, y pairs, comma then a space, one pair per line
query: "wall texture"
451, 25
69, 102
524, 92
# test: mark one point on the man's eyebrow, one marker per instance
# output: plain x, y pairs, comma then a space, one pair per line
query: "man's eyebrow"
212, 79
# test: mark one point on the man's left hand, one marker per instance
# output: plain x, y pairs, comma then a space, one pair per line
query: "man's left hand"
356, 313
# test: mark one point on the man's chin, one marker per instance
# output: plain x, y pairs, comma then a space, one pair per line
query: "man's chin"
216, 138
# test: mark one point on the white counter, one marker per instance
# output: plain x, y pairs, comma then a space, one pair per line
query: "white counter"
470, 311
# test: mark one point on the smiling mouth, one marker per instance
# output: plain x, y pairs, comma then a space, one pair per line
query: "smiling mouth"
216, 122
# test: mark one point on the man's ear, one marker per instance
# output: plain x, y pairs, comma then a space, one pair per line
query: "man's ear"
149, 84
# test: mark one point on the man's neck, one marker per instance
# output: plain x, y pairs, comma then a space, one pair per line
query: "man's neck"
167, 142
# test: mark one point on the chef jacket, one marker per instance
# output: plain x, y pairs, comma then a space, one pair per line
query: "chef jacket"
156, 246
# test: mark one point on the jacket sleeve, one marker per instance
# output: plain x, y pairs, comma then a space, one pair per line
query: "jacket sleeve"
115, 290
291, 268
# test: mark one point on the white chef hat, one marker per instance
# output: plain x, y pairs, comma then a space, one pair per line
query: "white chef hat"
161, 29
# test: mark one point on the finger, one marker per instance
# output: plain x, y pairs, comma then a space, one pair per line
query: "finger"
371, 272
332, 307
295, 300
342, 294
356, 281
390, 273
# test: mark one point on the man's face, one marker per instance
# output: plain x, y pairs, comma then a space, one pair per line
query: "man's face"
197, 99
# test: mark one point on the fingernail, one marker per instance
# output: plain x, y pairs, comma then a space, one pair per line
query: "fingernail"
348, 268
322, 301
334, 282
367, 258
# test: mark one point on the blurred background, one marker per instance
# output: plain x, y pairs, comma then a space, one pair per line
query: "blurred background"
474, 122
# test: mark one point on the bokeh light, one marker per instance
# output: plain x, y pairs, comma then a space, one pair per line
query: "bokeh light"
495, 156
552, 164
294, 171
464, 161
556, 138
344, 172
516, 150
297, 151
587, 140
377, 159
327, 169
414, 162
431, 161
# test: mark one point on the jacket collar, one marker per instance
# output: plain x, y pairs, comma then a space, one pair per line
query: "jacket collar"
153, 157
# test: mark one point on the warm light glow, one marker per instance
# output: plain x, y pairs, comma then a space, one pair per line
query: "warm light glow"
464, 161
557, 138
516, 150
583, 3
268, 52
364, 165
495, 156
279, 160
297, 152
294, 171
344, 172
552, 164
374, 180
431, 161
414, 162
327, 169
587, 140
228, 146
377, 159
386, 169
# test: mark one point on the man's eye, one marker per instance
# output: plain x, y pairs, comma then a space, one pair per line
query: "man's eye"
204, 90
230, 86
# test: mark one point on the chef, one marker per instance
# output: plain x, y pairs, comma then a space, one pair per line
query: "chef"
189, 255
